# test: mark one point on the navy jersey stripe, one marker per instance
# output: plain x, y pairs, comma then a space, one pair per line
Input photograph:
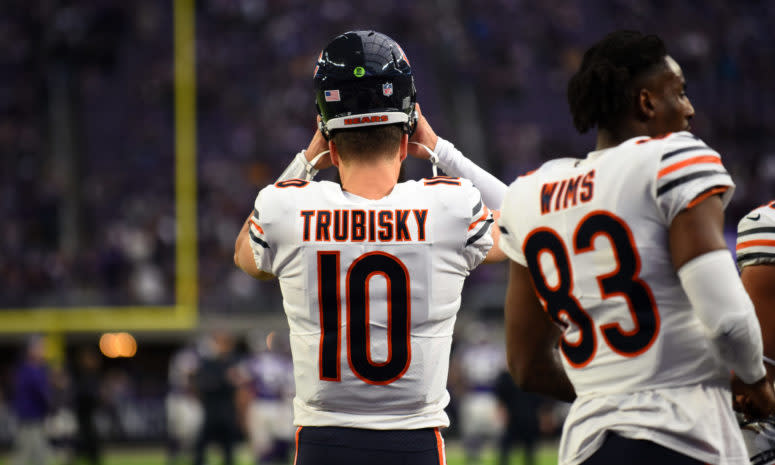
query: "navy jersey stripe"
768, 229
442, 181
476, 208
684, 179
485, 227
754, 256
683, 150
258, 240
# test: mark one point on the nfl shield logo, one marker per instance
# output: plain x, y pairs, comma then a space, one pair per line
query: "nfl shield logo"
387, 89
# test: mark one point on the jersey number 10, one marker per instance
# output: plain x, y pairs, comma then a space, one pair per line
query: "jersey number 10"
359, 359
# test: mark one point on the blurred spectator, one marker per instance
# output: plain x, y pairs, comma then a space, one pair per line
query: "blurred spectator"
505, 63
87, 400
523, 426
31, 403
183, 409
269, 376
481, 359
216, 383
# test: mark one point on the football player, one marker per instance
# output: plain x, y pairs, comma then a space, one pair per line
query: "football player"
756, 260
620, 258
371, 270
268, 376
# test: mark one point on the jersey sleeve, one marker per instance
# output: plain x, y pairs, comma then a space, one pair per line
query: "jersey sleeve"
263, 253
479, 233
756, 237
509, 243
688, 172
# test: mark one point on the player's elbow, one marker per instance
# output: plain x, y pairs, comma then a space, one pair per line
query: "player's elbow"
239, 257
237, 248
238, 260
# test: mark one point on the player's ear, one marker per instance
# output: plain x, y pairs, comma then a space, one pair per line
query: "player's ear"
404, 147
645, 104
334, 153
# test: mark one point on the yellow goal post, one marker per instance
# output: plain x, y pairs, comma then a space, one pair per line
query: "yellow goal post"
183, 314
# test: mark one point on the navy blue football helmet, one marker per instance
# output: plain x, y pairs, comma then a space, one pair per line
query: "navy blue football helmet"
363, 78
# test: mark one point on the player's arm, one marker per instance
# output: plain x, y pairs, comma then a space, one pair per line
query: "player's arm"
531, 340
304, 165
759, 281
243, 254
709, 278
495, 254
453, 162
756, 260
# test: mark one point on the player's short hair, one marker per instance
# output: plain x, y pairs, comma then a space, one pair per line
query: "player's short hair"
369, 142
603, 89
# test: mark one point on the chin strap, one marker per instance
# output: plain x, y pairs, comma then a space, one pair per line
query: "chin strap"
432, 157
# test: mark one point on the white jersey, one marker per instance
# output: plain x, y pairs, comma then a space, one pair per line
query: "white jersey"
756, 246
760, 441
756, 237
594, 234
371, 289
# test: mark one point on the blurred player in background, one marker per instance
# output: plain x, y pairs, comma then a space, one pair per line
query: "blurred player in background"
526, 419
480, 360
268, 374
183, 409
31, 403
87, 398
621, 257
756, 260
371, 271
216, 383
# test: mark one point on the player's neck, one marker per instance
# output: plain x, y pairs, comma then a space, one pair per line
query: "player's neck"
370, 180
607, 138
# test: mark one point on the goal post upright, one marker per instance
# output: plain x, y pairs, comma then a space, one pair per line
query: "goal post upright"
183, 314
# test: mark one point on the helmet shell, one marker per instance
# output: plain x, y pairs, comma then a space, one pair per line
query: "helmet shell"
364, 73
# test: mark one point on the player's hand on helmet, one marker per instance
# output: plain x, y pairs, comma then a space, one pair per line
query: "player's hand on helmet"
424, 135
756, 401
317, 145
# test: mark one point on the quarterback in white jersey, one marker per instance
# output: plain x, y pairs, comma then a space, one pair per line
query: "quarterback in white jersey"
756, 260
371, 289
371, 269
622, 250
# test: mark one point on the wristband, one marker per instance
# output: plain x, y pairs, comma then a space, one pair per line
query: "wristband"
301, 168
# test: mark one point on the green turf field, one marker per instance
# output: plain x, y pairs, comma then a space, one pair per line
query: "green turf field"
546, 456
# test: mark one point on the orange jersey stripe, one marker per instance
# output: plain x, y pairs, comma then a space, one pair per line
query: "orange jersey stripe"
691, 161
484, 215
440, 447
705, 195
755, 242
296, 455
257, 226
